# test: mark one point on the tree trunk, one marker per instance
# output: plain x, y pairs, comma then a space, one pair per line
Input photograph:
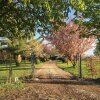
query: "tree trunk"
33, 61
80, 66
73, 63
33, 70
10, 69
25, 60
10, 74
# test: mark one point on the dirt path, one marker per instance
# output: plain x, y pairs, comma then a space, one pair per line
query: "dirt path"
54, 88
50, 70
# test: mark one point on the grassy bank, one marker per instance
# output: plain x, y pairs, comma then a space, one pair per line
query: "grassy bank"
75, 71
18, 71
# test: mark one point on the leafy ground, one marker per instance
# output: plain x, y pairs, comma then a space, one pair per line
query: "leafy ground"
55, 91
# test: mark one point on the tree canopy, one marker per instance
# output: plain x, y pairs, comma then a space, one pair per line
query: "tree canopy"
21, 18
69, 43
90, 16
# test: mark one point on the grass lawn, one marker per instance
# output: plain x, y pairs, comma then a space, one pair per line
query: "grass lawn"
74, 71
23, 70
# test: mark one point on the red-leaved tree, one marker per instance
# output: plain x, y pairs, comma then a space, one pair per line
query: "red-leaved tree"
69, 43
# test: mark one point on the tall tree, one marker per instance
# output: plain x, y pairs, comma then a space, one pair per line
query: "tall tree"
21, 18
90, 16
24, 47
68, 41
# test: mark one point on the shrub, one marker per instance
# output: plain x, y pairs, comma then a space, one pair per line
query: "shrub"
9, 86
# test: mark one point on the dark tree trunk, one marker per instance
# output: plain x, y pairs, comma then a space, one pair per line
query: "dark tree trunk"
10, 69
80, 66
33, 70
74, 62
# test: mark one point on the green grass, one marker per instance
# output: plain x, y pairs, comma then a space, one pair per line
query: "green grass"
11, 86
20, 71
85, 72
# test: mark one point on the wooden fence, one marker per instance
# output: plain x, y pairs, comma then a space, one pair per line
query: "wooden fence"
92, 64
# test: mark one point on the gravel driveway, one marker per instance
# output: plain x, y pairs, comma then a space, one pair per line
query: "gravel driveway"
51, 70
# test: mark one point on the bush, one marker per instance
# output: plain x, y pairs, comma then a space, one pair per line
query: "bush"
9, 86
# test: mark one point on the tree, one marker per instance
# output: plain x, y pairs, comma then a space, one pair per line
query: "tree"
90, 16
23, 47
69, 43
49, 51
21, 18
16, 47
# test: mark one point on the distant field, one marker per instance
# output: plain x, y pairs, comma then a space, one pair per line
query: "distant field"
22, 70
74, 71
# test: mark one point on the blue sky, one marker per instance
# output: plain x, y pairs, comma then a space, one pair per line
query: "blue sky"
71, 14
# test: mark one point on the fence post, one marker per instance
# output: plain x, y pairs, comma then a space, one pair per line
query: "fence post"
80, 65
33, 60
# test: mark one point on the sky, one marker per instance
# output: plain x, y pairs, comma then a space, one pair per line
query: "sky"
91, 51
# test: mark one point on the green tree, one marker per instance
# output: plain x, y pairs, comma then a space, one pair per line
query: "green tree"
21, 18
32, 46
90, 16
16, 47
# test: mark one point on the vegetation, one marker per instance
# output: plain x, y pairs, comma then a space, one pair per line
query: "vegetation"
27, 15
21, 18
90, 17
49, 51
23, 70
68, 42
13, 86
17, 49
86, 73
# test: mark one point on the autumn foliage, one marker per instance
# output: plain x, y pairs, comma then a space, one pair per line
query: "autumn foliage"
69, 43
